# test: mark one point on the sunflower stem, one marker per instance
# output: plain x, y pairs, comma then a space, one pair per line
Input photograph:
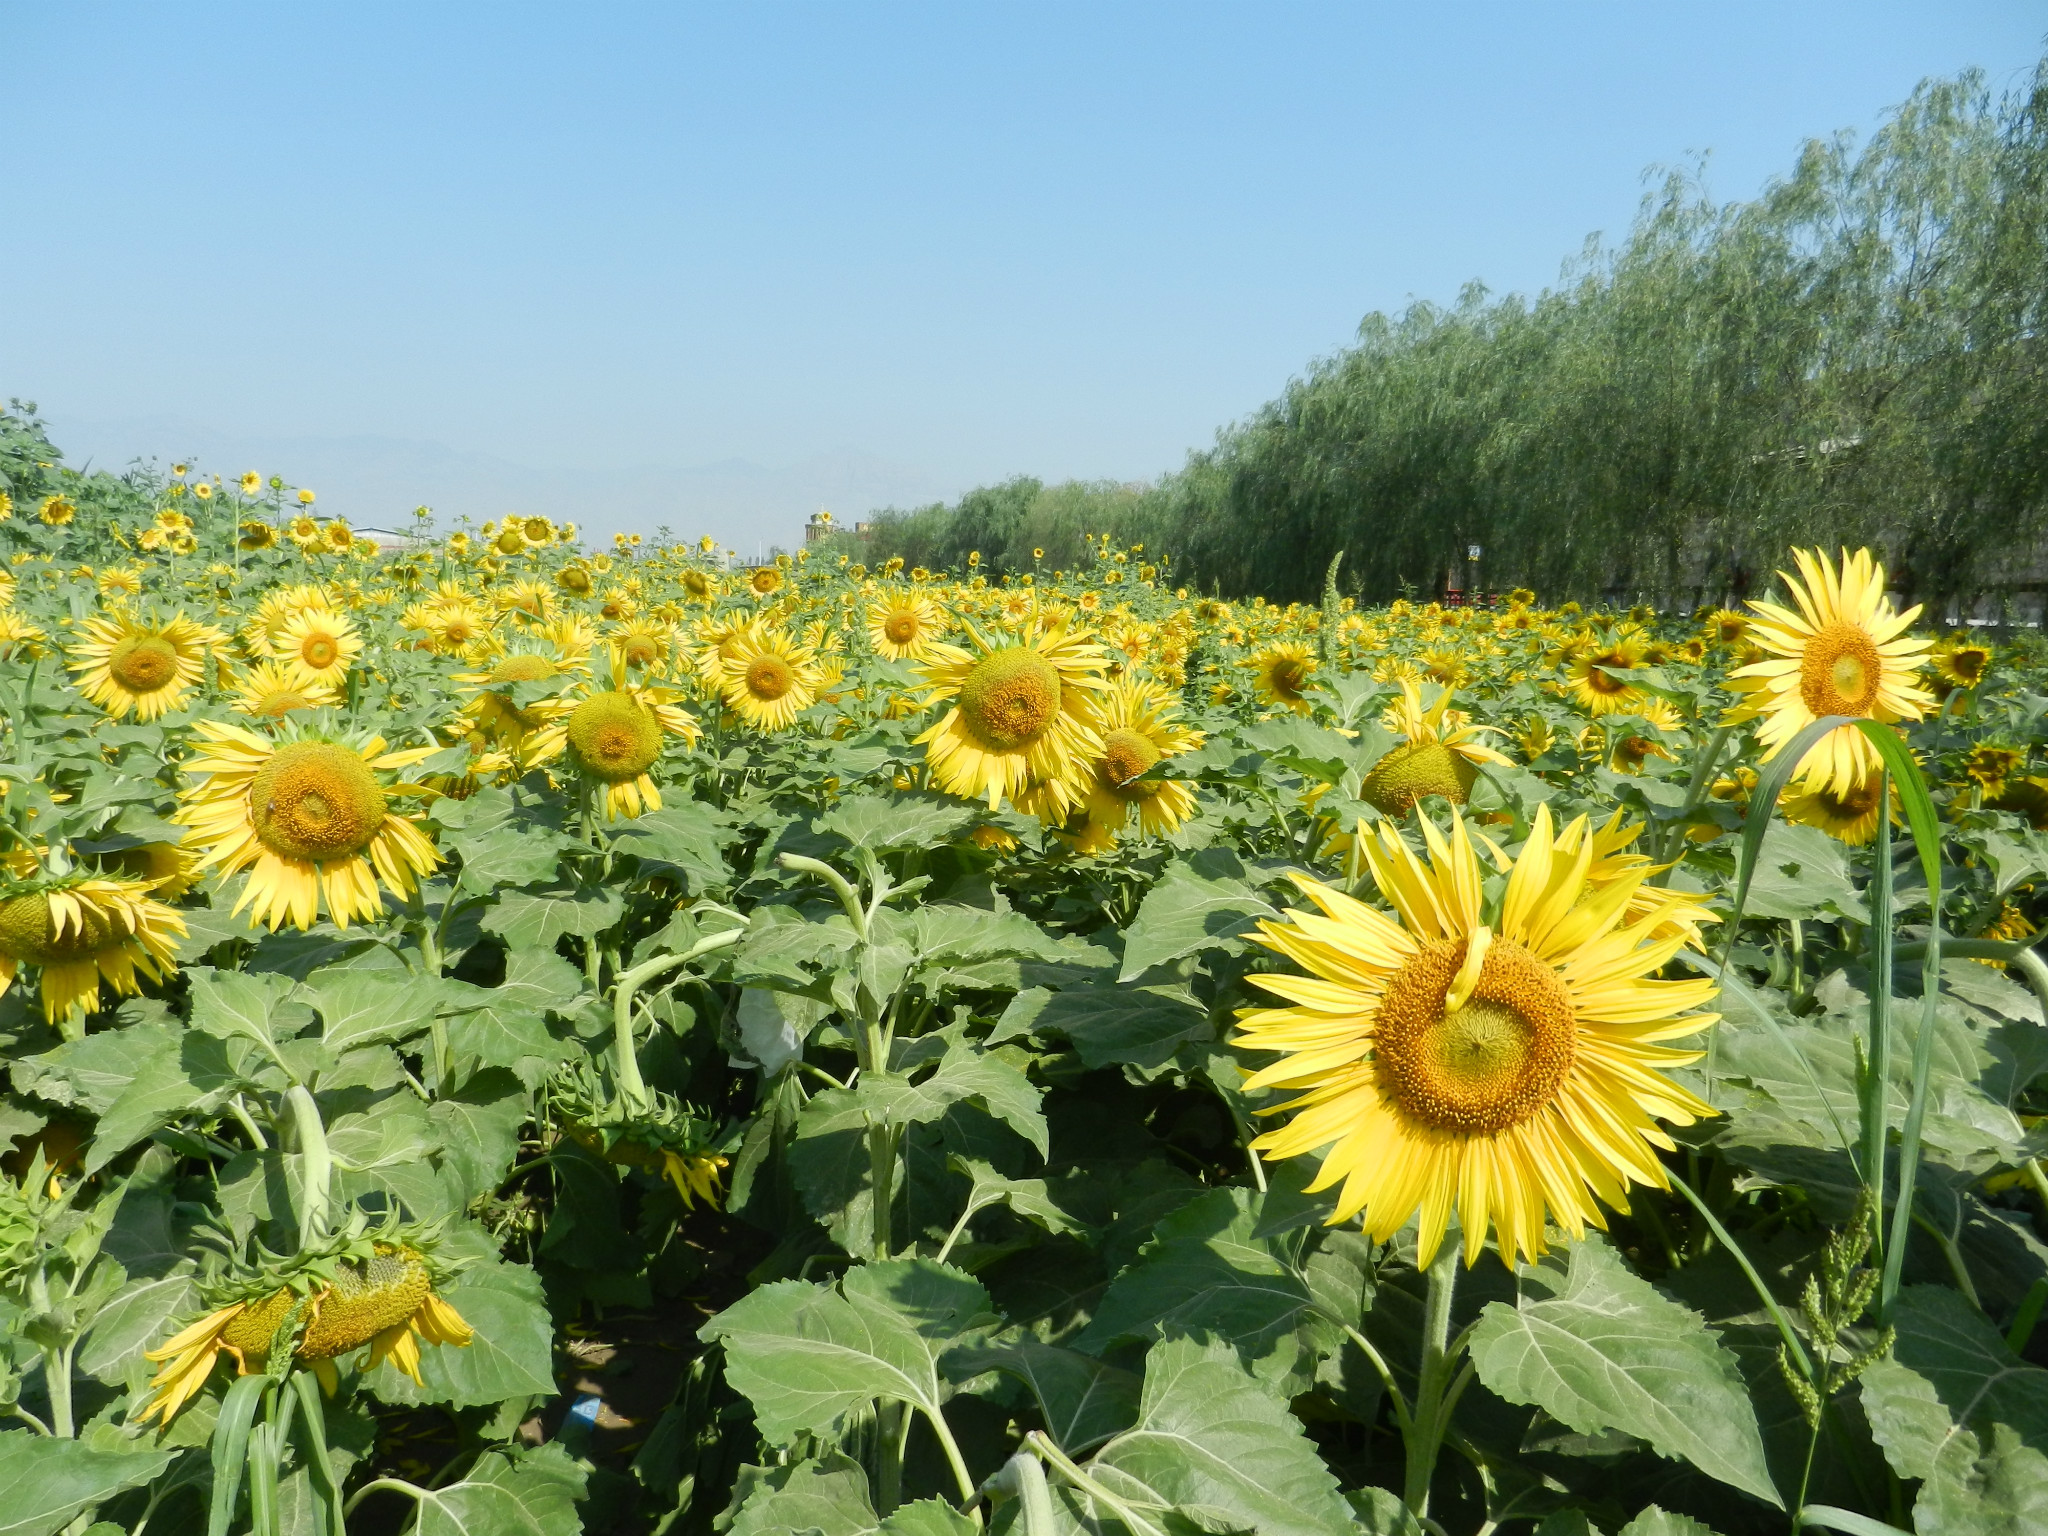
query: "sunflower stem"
316, 1165
1434, 1397
848, 897
626, 1064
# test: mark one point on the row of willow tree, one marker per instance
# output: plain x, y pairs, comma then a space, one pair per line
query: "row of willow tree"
1855, 356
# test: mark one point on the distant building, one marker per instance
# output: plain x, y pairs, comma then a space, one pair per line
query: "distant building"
818, 527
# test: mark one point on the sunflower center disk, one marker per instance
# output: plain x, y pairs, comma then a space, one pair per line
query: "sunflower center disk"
1408, 773
1127, 756
1841, 671
143, 666
315, 800
319, 652
614, 737
769, 677
1011, 697
28, 933
1487, 1066
901, 628
1288, 677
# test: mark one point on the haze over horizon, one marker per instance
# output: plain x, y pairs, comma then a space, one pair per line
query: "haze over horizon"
714, 270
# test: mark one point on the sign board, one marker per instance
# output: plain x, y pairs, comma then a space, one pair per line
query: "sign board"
1471, 551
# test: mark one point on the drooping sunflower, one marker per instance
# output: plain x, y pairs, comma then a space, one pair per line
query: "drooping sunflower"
1503, 1063
1439, 754
309, 817
906, 626
613, 736
1025, 714
494, 705
1280, 675
2026, 797
127, 665
270, 690
1845, 652
80, 930
319, 646
382, 1295
1138, 733
1850, 815
257, 535
767, 678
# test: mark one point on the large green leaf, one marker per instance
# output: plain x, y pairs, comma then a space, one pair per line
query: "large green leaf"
534, 920
478, 1128
1949, 1370
1217, 1445
173, 1074
237, 1004
805, 1353
829, 1497
137, 1319
1111, 1026
684, 837
1209, 1268
1201, 904
1598, 1347
46, 1483
508, 1493
506, 1025
362, 1007
1083, 1401
1996, 1486
886, 823
511, 1355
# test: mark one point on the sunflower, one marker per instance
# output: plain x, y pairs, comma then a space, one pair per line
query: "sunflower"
56, 511
337, 538
256, 535
1849, 814
270, 690
768, 679
384, 1298
303, 531
494, 707
1024, 715
308, 817
645, 645
318, 647
1990, 764
457, 625
1960, 662
1505, 1063
613, 736
764, 581
18, 637
575, 580
1591, 682
251, 483
1845, 652
1440, 753
1138, 732
127, 666
904, 627
1281, 673
168, 869
2026, 797
80, 930
262, 635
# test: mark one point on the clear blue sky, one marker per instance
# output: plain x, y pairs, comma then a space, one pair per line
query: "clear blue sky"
960, 240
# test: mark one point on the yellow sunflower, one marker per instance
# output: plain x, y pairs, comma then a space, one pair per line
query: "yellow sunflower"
385, 1300
613, 736
256, 535
81, 930
1503, 1063
1850, 815
56, 511
308, 818
905, 627
493, 704
318, 647
1138, 733
645, 644
1960, 662
270, 690
1845, 652
1590, 679
1024, 715
768, 679
127, 666
1439, 754
1280, 675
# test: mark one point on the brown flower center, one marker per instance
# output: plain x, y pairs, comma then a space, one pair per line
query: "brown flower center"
770, 677
319, 652
1840, 673
144, 665
1486, 1066
901, 628
1127, 756
1011, 697
316, 801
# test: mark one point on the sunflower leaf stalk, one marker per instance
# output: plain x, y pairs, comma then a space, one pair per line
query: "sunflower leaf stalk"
316, 1165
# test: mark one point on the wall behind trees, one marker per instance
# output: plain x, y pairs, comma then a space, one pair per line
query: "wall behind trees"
1854, 356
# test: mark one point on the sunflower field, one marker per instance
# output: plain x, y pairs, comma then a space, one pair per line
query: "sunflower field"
509, 1038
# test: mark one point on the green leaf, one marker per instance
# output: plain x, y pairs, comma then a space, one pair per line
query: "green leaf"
175, 1073
1949, 1369
966, 1072
1801, 872
828, 1496
508, 1493
1187, 912
1029, 1198
234, 1004
1980, 1489
479, 1128
888, 823
686, 838
1600, 1348
928, 1517
805, 1353
535, 921
136, 1320
505, 1025
508, 856
1661, 1522
1208, 1270
361, 1007
1084, 1402
1111, 1026
1215, 1444
511, 1355
50, 1482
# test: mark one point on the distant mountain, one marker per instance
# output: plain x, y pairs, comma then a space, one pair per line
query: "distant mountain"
377, 481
